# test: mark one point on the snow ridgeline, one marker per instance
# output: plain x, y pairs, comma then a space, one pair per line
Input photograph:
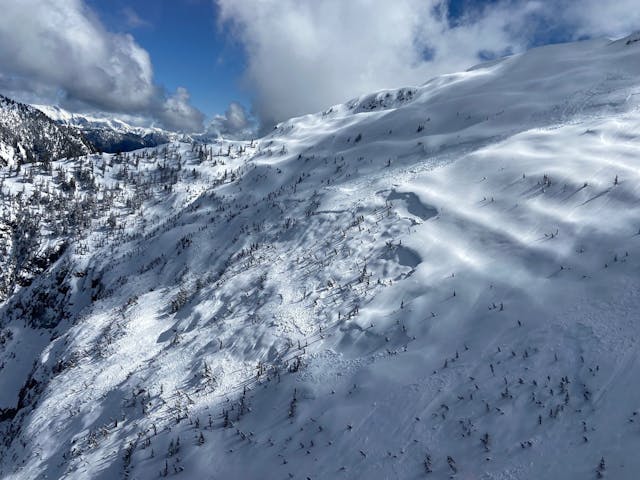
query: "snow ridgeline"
112, 135
28, 135
411, 285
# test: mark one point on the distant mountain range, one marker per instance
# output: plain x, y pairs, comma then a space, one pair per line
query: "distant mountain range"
27, 135
31, 133
111, 135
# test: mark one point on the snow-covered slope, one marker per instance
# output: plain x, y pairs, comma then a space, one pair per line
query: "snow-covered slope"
427, 282
112, 135
27, 135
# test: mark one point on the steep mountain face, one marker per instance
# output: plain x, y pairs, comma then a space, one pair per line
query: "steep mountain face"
27, 135
430, 282
111, 135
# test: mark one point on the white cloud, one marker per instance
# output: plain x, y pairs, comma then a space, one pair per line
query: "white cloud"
62, 45
133, 20
235, 123
615, 18
304, 55
176, 113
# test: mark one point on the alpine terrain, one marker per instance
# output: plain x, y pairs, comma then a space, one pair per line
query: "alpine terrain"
28, 135
437, 281
111, 135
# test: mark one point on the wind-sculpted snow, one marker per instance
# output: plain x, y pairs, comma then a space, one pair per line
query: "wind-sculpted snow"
435, 287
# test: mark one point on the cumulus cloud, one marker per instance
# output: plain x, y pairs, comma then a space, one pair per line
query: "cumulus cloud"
235, 123
176, 113
62, 45
304, 55
597, 18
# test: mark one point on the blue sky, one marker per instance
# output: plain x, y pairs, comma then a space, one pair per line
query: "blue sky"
187, 47
231, 65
